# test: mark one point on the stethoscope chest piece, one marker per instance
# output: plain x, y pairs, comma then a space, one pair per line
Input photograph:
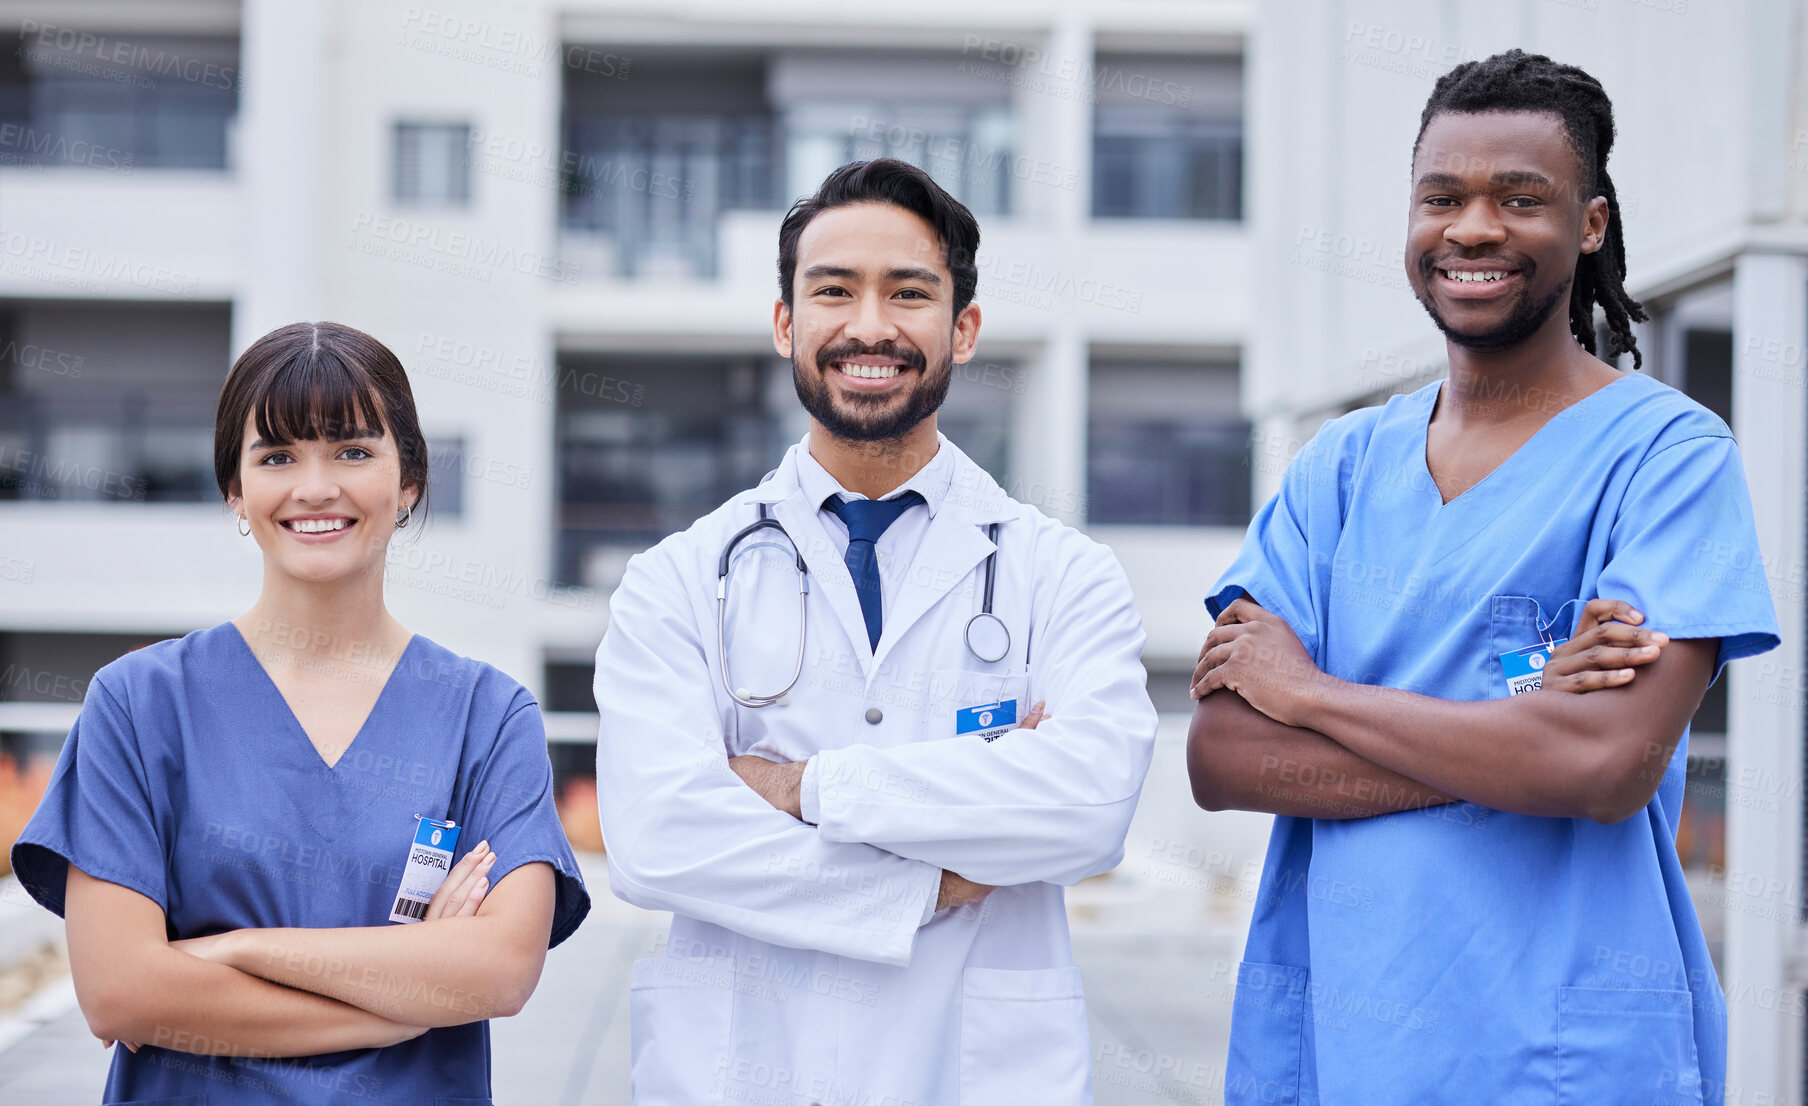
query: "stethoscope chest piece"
987, 637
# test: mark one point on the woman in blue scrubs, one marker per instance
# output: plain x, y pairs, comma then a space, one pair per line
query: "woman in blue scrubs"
243, 819
1525, 933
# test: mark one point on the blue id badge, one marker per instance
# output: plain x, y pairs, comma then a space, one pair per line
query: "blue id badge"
988, 720
1524, 668
429, 859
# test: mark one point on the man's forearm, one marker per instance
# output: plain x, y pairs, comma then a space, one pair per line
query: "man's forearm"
1598, 756
1240, 759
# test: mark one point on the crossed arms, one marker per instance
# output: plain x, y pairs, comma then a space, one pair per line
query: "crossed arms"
1273, 733
302, 992
688, 831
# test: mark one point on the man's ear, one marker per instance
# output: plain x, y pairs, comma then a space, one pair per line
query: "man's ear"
966, 334
1594, 225
781, 328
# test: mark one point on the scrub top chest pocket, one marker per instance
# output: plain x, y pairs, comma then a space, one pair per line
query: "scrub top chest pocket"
1521, 639
974, 703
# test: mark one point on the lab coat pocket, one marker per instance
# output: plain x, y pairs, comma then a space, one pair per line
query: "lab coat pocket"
969, 702
679, 1013
1616, 1045
1267, 1038
1023, 1038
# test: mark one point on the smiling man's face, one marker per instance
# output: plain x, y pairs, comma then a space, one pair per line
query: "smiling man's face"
871, 333
1501, 209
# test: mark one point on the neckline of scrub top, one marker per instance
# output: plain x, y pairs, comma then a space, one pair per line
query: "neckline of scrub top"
289, 712
1424, 428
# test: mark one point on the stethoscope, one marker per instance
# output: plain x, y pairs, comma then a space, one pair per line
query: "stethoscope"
988, 638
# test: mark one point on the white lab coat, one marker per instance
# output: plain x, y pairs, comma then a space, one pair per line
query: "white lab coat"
800, 968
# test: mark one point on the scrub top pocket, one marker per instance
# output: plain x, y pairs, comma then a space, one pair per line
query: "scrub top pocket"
1620, 1046
679, 1017
1024, 1037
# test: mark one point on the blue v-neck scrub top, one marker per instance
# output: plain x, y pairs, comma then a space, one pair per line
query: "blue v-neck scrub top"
1459, 953
188, 780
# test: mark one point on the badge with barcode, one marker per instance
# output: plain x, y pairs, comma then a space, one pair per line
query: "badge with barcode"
429, 859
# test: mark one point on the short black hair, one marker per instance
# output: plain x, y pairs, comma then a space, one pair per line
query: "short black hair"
887, 180
1518, 81
318, 381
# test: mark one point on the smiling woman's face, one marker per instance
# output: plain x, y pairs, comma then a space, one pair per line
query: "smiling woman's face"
321, 509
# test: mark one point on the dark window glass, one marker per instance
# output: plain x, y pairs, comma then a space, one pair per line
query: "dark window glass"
110, 401
118, 101
1168, 138
1167, 445
431, 166
647, 445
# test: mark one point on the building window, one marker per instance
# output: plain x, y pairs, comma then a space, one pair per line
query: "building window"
1168, 138
445, 477
430, 164
650, 165
647, 445
110, 402
118, 101
917, 106
1167, 445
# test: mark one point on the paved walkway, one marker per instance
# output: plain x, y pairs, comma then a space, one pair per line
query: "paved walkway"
1160, 1008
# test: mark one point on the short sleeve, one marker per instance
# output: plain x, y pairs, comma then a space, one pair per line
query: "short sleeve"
1275, 567
1684, 550
96, 813
510, 805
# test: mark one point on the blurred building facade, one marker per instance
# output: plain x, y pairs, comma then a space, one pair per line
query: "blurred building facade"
562, 215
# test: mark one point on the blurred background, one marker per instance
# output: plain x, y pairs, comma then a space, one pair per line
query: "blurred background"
562, 215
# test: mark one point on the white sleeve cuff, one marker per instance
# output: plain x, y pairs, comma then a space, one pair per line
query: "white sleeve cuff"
808, 803
929, 907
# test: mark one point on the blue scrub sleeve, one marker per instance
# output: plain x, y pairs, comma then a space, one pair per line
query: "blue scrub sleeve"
96, 812
510, 805
1684, 550
1275, 566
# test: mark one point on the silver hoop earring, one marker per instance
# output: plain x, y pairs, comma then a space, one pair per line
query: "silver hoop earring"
402, 518
244, 527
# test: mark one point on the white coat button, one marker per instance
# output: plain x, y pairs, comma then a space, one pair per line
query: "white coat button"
874, 715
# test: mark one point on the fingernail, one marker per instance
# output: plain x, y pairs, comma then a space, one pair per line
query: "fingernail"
1625, 673
1660, 637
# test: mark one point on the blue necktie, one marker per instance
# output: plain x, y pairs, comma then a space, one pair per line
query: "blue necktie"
866, 519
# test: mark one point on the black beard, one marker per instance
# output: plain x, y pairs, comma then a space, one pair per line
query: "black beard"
877, 426
1527, 316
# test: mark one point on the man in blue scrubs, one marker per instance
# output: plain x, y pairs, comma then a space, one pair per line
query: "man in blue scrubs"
1524, 933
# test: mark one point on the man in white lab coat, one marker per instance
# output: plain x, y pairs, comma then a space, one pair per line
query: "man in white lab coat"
866, 871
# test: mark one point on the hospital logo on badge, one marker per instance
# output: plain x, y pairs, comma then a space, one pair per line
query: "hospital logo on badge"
1524, 668
988, 720
436, 836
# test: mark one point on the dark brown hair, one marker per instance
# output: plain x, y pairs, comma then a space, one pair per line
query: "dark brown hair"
309, 381
887, 180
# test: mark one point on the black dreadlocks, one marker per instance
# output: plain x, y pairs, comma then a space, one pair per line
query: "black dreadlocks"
1518, 81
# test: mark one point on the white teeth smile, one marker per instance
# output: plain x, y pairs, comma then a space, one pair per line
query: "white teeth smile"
1475, 278
869, 372
317, 525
